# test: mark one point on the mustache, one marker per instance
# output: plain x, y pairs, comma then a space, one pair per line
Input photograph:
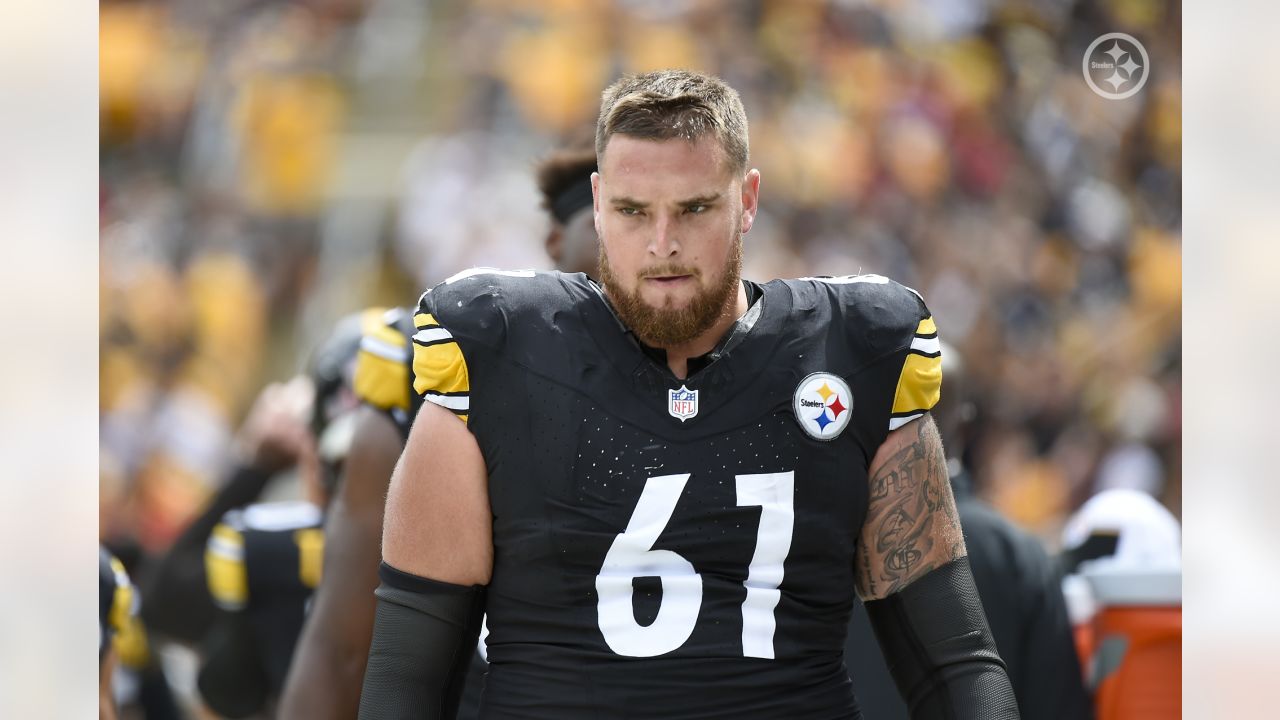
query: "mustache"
669, 270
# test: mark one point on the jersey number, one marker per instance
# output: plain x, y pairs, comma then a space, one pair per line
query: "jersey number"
632, 555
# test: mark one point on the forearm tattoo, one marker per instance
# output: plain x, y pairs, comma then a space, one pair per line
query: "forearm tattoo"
912, 525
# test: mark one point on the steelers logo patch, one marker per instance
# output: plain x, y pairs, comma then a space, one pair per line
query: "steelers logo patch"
823, 405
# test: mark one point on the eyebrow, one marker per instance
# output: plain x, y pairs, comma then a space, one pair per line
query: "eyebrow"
628, 202
700, 200
632, 202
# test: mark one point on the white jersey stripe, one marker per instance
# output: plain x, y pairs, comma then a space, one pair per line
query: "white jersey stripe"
224, 548
895, 423
926, 345
383, 349
431, 335
453, 402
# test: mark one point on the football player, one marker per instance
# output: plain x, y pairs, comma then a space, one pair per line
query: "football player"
274, 438
324, 681
667, 489
564, 180
116, 604
264, 560
329, 664
132, 679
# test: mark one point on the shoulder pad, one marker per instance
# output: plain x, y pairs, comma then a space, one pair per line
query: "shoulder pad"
882, 318
384, 361
878, 314
478, 304
478, 307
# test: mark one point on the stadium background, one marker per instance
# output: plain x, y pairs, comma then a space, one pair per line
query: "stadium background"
267, 167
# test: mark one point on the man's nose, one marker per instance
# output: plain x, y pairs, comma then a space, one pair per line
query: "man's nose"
663, 243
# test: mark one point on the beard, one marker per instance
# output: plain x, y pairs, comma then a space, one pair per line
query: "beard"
667, 326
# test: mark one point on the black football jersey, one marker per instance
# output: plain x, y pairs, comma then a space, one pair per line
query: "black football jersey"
664, 547
264, 561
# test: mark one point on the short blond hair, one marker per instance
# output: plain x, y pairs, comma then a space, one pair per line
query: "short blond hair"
667, 104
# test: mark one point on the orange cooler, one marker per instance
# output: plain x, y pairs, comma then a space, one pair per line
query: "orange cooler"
1137, 656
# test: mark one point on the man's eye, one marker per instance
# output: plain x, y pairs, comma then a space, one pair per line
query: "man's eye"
629, 211
696, 209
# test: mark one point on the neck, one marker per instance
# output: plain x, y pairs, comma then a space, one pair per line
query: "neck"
678, 355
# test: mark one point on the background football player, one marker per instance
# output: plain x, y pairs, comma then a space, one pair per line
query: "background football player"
330, 661
264, 560
115, 606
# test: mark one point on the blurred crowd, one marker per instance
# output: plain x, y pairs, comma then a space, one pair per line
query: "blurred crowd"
268, 166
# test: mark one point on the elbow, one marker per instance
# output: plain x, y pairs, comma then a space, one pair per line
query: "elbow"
935, 638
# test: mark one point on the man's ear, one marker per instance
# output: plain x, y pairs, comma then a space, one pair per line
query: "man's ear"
750, 198
595, 202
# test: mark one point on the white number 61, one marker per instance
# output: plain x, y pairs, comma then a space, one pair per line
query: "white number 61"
632, 555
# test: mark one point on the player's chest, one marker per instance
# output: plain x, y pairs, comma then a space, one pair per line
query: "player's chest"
589, 475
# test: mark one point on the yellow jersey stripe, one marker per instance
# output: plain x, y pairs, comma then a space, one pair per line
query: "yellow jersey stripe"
381, 382
382, 372
310, 543
224, 568
424, 320
122, 600
919, 384
131, 644
927, 327
440, 374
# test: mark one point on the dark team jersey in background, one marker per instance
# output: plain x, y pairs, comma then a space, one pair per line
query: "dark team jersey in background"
116, 601
262, 564
664, 547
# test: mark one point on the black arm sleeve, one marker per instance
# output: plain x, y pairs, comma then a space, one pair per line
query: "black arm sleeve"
424, 634
939, 649
175, 599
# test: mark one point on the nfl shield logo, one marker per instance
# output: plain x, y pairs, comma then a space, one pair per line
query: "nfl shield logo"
683, 403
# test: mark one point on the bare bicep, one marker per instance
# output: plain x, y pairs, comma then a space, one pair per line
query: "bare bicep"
438, 523
912, 526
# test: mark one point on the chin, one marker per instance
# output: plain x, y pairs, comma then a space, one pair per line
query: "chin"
667, 302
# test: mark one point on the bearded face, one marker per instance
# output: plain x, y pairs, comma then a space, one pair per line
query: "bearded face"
669, 324
670, 215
